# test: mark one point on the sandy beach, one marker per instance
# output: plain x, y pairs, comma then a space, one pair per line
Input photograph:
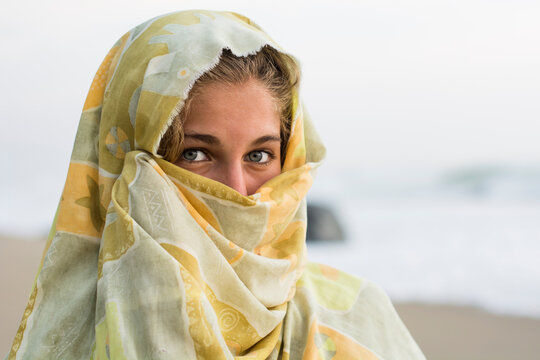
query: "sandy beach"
443, 332
446, 332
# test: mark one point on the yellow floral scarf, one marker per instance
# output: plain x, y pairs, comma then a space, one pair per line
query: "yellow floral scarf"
146, 260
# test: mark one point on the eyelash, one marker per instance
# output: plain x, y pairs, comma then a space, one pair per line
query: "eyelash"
193, 149
270, 154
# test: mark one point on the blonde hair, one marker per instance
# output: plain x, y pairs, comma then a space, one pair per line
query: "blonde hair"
278, 72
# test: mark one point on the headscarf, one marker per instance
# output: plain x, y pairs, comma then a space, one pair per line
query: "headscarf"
146, 260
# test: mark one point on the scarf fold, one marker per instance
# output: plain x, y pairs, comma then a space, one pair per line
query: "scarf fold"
147, 260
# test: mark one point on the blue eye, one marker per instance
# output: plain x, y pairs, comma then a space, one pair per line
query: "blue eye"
258, 157
194, 155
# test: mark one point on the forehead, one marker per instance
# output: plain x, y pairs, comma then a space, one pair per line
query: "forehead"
222, 108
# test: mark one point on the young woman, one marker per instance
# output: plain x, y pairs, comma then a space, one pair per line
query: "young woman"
180, 233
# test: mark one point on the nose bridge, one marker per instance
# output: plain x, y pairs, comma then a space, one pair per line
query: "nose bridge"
235, 177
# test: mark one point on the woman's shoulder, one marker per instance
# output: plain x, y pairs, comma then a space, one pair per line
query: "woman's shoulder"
350, 315
337, 290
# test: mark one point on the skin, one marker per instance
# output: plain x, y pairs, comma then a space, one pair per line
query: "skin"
232, 135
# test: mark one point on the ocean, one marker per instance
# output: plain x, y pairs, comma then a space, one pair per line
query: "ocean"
466, 237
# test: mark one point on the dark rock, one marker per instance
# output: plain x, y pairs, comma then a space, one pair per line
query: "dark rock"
323, 224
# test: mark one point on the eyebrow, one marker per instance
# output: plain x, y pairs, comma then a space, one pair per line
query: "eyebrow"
266, 138
212, 140
209, 139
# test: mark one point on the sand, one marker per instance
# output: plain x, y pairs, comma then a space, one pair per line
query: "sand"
19, 261
443, 332
447, 332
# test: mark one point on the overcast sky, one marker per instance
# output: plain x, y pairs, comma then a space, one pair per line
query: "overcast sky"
388, 83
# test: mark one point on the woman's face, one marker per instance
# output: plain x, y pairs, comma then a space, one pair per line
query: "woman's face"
232, 135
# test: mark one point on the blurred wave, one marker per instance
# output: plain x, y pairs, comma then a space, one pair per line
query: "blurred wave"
491, 182
467, 236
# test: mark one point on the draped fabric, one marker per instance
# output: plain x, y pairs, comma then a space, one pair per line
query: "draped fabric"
146, 260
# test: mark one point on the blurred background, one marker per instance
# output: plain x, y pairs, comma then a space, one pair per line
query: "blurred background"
430, 111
